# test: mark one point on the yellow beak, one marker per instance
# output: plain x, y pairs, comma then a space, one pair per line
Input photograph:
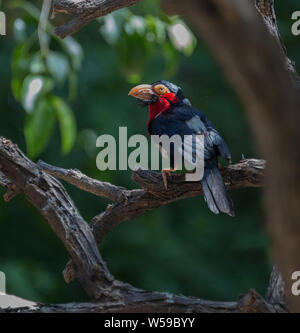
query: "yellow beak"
143, 92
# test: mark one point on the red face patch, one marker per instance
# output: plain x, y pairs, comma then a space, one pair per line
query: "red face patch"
171, 97
162, 105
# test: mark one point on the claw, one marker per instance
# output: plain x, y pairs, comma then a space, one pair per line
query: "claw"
164, 174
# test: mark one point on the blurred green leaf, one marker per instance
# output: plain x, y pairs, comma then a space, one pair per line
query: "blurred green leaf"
135, 24
38, 127
58, 66
19, 30
111, 30
16, 87
20, 60
182, 38
33, 87
136, 38
171, 59
67, 123
156, 28
73, 85
87, 139
37, 65
74, 50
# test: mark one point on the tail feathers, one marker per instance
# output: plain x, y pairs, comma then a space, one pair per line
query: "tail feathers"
214, 190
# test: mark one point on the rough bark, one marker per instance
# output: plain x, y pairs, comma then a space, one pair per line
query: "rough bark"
146, 302
140, 301
85, 11
85, 183
130, 204
276, 293
49, 196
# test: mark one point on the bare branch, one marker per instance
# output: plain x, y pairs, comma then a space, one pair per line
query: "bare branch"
83, 182
84, 12
276, 291
4, 182
147, 302
246, 173
12, 189
51, 199
253, 302
267, 11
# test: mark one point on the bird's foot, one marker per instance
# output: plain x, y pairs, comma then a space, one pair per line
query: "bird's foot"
165, 173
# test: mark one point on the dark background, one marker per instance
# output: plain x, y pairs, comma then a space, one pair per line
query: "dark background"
180, 248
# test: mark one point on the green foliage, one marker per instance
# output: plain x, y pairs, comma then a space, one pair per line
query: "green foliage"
66, 122
38, 75
34, 88
136, 38
58, 66
38, 127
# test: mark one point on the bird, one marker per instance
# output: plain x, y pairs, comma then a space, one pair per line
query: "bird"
170, 113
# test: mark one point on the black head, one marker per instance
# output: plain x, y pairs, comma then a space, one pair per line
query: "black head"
172, 87
149, 94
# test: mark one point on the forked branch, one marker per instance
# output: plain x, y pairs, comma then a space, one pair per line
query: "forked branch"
50, 198
132, 203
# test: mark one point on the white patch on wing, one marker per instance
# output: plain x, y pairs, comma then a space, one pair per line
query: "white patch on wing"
192, 150
196, 124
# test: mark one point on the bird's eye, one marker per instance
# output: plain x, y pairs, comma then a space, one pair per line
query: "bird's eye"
161, 89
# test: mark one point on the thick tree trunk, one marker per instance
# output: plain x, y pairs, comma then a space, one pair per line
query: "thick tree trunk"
244, 39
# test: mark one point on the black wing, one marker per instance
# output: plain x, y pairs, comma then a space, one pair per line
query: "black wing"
215, 138
186, 120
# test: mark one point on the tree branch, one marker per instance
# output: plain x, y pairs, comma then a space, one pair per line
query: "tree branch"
276, 291
267, 12
246, 173
51, 199
84, 12
130, 204
83, 182
147, 302
12, 189
53, 202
